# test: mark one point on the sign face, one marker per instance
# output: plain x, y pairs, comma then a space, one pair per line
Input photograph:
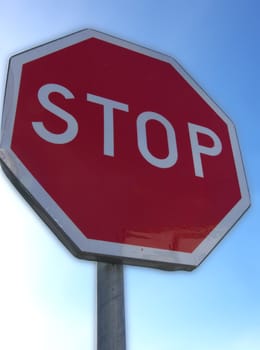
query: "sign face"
121, 152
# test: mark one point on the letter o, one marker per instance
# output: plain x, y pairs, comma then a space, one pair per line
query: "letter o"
172, 157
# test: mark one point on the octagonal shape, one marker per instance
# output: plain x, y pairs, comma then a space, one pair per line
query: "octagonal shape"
121, 152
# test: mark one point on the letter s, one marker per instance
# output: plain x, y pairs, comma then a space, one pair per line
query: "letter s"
72, 126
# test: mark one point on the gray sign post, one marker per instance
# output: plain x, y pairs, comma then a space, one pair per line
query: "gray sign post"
110, 307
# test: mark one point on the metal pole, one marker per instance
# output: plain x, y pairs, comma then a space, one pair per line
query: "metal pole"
110, 307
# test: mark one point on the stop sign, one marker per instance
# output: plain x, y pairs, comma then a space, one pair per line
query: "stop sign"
121, 152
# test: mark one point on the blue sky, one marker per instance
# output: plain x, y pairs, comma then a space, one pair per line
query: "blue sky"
47, 297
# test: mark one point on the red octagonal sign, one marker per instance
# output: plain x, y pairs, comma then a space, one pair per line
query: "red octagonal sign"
121, 152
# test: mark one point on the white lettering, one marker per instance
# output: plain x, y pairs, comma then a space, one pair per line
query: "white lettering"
109, 106
198, 149
172, 157
108, 114
72, 126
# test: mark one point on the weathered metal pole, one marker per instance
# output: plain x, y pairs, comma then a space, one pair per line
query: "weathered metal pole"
110, 307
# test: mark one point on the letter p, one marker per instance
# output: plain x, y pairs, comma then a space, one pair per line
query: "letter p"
198, 149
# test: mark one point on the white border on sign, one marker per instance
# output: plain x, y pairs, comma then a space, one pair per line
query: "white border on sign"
94, 249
